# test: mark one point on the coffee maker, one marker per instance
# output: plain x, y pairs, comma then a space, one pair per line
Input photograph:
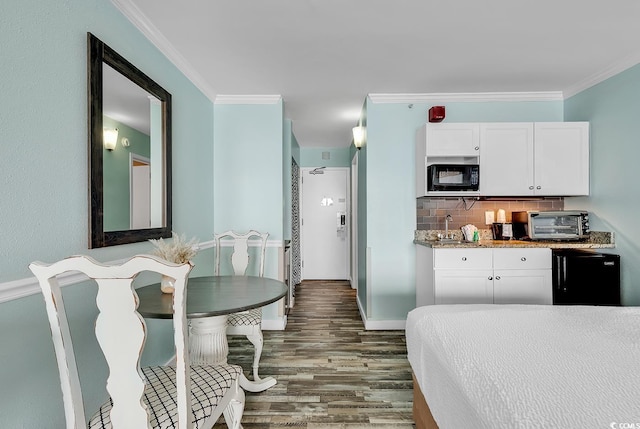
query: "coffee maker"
520, 222
501, 231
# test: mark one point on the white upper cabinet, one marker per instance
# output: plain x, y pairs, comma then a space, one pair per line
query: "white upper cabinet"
527, 159
561, 158
516, 158
506, 164
452, 140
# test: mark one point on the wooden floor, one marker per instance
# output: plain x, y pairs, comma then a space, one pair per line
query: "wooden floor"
331, 372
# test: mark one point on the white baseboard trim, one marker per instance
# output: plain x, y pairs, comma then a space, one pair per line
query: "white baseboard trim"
274, 324
385, 325
380, 325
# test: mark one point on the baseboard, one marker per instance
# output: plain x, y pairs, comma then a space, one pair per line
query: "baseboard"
274, 324
380, 325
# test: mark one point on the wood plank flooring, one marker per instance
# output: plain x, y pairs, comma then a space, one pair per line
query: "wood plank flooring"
331, 372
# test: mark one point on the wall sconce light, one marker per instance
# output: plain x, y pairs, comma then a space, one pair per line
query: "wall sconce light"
110, 138
358, 136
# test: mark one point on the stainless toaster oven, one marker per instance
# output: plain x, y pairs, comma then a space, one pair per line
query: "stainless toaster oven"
550, 225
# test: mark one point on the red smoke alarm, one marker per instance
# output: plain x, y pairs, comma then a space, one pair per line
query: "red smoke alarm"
436, 114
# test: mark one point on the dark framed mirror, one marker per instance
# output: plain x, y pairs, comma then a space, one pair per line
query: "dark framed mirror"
129, 151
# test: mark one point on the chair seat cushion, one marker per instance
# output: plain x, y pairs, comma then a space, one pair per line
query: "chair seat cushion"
209, 384
244, 318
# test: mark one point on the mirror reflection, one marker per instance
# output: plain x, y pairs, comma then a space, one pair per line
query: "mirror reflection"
132, 186
130, 151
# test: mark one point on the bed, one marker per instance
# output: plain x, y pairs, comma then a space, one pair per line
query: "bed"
525, 366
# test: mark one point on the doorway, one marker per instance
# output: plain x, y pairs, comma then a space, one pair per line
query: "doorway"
325, 220
140, 192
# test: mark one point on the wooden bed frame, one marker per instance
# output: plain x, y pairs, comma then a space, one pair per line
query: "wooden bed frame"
421, 412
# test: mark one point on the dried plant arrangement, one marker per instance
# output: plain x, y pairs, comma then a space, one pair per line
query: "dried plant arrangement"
178, 250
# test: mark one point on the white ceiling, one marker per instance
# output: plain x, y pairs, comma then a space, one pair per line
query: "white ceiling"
324, 56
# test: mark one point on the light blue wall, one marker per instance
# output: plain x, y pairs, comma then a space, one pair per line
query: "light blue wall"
43, 187
613, 111
390, 193
312, 157
248, 165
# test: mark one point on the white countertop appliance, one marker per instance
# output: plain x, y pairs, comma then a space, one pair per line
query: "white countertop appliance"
551, 225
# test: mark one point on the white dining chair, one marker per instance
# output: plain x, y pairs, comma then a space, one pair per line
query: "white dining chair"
183, 396
248, 323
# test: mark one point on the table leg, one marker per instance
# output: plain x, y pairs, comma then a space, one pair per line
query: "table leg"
208, 340
208, 346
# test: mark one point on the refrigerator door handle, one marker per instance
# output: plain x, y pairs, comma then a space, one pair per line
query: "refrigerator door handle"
561, 273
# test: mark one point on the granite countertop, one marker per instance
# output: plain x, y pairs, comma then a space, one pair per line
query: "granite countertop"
429, 238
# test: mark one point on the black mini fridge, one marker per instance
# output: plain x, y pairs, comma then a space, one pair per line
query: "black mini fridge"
585, 278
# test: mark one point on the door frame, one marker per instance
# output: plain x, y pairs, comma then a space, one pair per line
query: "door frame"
353, 199
347, 206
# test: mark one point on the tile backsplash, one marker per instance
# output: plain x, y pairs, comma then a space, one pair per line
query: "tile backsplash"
432, 211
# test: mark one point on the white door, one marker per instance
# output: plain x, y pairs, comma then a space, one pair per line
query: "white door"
140, 192
324, 230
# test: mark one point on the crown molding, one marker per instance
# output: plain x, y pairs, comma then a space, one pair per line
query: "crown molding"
142, 23
247, 99
622, 65
467, 97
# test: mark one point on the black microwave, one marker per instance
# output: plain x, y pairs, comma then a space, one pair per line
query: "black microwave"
453, 177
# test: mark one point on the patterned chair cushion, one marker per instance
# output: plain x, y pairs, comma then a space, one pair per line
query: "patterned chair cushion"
209, 384
244, 318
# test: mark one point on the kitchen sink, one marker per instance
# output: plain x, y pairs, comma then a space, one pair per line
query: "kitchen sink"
449, 241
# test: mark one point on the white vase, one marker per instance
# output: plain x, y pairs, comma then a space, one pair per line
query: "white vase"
167, 284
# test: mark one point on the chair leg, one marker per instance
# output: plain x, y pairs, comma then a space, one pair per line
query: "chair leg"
233, 412
257, 341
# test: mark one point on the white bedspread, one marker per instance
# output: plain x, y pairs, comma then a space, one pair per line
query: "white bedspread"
527, 366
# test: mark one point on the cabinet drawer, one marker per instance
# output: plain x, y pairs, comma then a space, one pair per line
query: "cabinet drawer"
471, 259
522, 259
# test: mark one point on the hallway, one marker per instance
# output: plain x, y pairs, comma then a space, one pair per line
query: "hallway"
331, 372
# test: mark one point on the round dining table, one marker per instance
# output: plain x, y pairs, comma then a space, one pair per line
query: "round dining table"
209, 300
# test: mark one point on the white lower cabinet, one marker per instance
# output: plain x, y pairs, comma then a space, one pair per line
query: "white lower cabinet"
483, 276
463, 286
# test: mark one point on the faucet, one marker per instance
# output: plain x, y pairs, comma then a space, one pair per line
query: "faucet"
447, 219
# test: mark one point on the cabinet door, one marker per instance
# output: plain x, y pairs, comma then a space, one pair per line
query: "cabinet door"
453, 140
561, 158
522, 287
463, 286
506, 163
